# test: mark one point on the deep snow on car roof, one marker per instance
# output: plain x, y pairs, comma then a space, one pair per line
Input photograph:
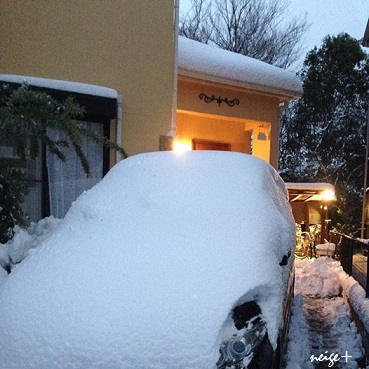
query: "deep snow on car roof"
146, 265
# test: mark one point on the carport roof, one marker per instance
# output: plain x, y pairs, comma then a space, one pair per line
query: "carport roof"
209, 63
309, 191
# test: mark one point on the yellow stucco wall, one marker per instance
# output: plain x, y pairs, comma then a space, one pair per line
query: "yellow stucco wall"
127, 45
225, 123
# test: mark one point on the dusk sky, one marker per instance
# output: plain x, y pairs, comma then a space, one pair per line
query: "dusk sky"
325, 17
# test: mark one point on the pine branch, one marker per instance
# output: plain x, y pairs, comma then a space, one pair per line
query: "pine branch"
26, 115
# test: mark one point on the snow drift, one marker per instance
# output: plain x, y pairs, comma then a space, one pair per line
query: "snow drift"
146, 266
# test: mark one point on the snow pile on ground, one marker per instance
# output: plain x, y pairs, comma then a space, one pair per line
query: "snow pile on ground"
25, 239
320, 279
317, 277
298, 337
356, 295
146, 267
3, 274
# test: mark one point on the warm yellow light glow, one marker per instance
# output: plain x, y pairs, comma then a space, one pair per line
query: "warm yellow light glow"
328, 195
181, 146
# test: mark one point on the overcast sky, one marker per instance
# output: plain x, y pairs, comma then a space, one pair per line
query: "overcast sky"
325, 17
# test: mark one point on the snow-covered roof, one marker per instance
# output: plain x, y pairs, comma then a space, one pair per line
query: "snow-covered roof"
55, 84
315, 186
146, 268
316, 191
211, 63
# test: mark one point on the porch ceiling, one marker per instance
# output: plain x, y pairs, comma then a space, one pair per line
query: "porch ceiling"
302, 196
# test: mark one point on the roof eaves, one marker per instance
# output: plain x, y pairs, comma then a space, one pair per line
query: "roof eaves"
283, 94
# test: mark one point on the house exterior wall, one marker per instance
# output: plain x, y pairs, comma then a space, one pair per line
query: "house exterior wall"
225, 123
127, 45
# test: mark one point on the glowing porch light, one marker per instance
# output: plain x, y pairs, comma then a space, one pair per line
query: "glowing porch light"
328, 195
181, 147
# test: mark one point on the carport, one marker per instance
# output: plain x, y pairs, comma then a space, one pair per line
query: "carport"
310, 202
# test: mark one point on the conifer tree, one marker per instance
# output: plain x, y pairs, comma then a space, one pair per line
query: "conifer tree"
13, 187
25, 116
323, 134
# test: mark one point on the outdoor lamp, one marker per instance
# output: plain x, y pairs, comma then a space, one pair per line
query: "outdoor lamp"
328, 195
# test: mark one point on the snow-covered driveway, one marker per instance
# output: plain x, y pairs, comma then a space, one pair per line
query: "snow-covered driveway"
322, 331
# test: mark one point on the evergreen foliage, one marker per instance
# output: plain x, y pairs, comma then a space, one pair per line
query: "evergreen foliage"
323, 134
12, 190
25, 116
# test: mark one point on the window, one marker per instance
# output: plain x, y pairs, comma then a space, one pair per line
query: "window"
54, 185
67, 180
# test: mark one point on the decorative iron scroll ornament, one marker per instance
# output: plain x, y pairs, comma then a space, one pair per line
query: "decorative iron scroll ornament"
219, 100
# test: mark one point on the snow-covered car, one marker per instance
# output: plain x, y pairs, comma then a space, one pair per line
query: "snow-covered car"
170, 262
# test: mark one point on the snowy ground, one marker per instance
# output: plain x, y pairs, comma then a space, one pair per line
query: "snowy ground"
321, 323
24, 240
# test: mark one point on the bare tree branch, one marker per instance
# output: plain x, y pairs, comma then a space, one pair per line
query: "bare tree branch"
255, 28
194, 24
